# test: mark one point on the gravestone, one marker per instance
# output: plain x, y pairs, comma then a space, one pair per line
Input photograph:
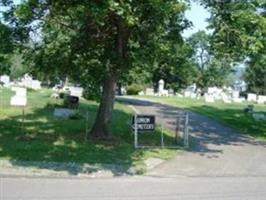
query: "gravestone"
161, 87
76, 91
260, 116
261, 99
28, 82
141, 93
171, 92
252, 97
149, 91
226, 99
63, 112
6, 80
165, 93
20, 98
238, 100
235, 94
71, 101
36, 85
249, 109
187, 93
209, 98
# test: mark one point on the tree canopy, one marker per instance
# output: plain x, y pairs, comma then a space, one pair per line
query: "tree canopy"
96, 42
102, 43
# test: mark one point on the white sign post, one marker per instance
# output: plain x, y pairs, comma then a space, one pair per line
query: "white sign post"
20, 100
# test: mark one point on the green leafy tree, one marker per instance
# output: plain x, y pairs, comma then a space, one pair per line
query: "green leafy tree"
97, 42
211, 71
17, 67
239, 34
5, 48
174, 67
255, 75
200, 44
238, 28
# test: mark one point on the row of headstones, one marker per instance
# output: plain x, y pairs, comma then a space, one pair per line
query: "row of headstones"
26, 81
227, 97
20, 100
73, 91
151, 92
209, 97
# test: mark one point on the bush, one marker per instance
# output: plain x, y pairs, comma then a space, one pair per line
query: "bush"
134, 89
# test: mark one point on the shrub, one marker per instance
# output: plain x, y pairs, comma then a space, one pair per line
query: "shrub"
134, 89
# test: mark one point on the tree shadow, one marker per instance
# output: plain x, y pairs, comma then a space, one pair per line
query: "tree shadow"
206, 135
45, 142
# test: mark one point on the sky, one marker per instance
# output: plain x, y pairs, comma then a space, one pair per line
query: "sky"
198, 16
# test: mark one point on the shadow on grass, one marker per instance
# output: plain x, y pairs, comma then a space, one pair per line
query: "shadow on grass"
207, 135
46, 142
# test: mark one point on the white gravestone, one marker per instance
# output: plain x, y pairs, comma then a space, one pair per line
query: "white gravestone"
149, 91
76, 91
209, 98
161, 87
187, 93
20, 98
238, 100
261, 99
165, 93
28, 82
6, 80
252, 97
171, 92
235, 94
36, 85
141, 93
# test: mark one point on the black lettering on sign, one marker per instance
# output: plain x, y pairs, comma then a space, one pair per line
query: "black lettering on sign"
144, 122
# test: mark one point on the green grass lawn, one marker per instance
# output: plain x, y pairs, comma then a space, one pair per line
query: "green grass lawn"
42, 137
231, 115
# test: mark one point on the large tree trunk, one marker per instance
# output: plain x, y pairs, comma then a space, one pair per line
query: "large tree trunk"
100, 129
102, 123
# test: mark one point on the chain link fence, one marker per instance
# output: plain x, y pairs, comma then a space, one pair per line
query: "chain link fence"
160, 131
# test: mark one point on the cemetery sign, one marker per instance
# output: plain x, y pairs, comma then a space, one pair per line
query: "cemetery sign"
143, 122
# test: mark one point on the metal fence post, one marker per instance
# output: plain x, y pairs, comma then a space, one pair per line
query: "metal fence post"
186, 135
135, 131
87, 125
162, 137
23, 119
176, 128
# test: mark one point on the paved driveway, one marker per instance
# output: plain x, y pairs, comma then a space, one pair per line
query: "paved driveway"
216, 150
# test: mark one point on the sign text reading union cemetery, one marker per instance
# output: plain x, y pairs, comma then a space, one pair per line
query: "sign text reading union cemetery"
144, 122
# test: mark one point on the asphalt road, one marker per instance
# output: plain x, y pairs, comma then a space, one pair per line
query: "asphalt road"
145, 188
215, 149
